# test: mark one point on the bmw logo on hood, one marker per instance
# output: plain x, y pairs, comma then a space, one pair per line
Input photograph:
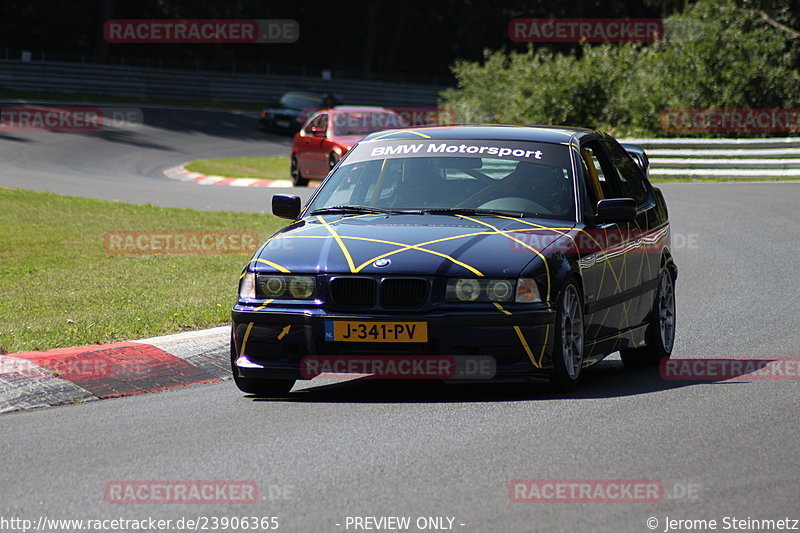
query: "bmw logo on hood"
380, 263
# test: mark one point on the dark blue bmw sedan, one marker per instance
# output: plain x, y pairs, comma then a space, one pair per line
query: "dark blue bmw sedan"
529, 253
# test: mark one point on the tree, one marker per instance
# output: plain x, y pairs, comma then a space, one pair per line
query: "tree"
714, 55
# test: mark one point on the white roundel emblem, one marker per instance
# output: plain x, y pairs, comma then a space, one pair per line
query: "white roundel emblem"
380, 263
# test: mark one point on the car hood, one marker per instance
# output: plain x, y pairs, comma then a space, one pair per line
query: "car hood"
488, 246
289, 111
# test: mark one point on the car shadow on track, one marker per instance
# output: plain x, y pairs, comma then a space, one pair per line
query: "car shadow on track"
7, 137
163, 123
131, 138
230, 125
608, 379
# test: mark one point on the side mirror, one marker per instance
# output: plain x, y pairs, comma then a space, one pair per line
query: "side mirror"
285, 206
616, 210
316, 131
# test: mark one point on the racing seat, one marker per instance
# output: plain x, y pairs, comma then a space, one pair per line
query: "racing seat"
420, 186
533, 187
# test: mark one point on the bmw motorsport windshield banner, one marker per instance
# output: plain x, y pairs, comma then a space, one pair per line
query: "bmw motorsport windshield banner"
544, 153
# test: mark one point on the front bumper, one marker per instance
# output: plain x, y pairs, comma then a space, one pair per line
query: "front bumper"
287, 123
275, 340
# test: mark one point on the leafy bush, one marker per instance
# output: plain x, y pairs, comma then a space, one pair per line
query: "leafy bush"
714, 55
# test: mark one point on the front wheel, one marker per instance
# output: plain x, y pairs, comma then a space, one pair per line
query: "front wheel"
297, 178
568, 344
660, 335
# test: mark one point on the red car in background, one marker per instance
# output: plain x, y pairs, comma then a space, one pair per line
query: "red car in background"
328, 134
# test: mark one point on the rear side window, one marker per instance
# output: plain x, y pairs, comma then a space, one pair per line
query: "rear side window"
313, 123
323, 122
597, 167
631, 181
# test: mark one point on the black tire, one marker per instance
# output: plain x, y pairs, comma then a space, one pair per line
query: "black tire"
569, 339
297, 178
263, 388
660, 334
332, 160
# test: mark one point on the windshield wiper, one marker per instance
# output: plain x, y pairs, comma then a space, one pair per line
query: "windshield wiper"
474, 211
364, 209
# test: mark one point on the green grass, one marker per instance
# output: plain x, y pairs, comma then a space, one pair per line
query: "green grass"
59, 286
275, 168
105, 98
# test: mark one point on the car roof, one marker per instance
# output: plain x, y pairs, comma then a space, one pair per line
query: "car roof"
493, 132
304, 94
357, 109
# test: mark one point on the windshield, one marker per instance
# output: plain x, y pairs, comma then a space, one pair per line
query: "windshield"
362, 123
528, 179
301, 101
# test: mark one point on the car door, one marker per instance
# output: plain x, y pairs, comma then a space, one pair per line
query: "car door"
317, 153
309, 146
303, 143
604, 255
644, 253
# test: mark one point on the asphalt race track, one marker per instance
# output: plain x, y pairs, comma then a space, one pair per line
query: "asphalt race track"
126, 163
366, 448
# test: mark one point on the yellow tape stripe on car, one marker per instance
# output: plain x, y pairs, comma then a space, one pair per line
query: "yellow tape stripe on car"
276, 266
339, 242
526, 245
405, 247
544, 344
390, 133
500, 307
527, 348
244, 339
523, 340
262, 306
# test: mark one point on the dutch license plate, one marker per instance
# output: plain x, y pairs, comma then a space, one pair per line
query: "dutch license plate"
281, 123
357, 331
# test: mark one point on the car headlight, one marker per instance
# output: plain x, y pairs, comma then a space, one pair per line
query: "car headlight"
247, 286
527, 291
271, 286
479, 290
499, 290
302, 287
467, 290
523, 290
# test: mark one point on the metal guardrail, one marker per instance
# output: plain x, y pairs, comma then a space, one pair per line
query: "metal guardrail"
141, 82
723, 158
